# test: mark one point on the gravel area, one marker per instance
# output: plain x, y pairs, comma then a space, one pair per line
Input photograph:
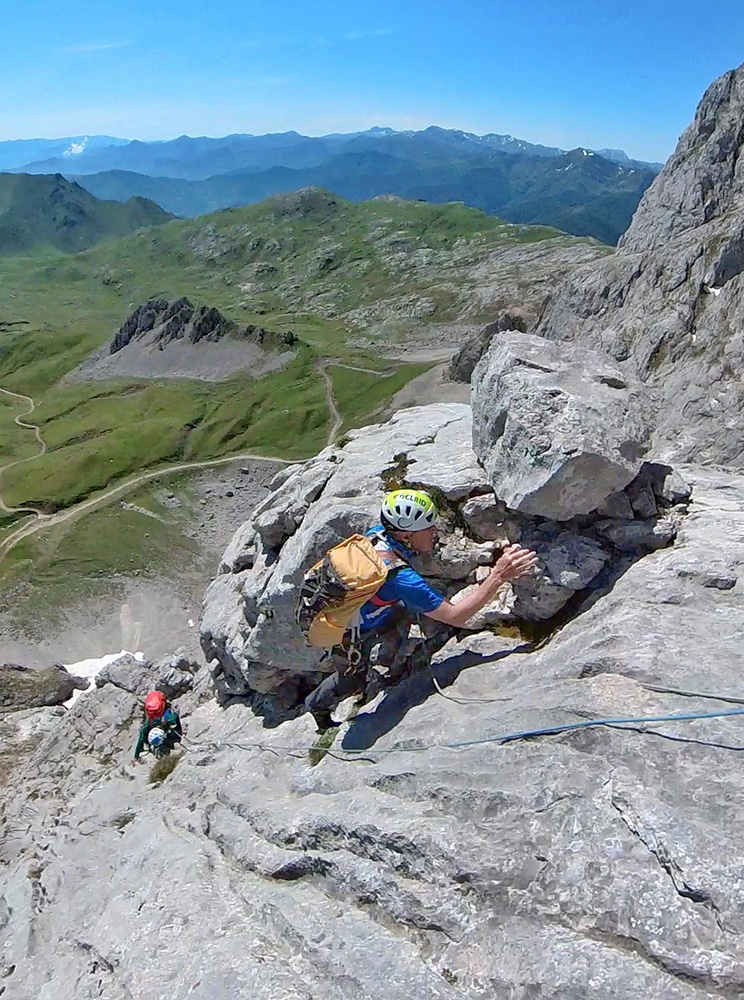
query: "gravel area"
207, 361
156, 615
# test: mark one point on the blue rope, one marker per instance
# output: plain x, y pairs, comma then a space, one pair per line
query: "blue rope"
525, 734
585, 724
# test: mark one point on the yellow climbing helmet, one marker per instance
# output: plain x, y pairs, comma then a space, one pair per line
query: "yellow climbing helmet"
409, 510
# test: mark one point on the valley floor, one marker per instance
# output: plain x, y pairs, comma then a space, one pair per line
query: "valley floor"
69, 606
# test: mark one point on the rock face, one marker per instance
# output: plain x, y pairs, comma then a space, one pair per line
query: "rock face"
598, 863
22, 687
248, 630
161, 321
669, 304
558, 429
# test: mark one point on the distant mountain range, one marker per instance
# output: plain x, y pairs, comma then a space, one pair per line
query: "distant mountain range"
583, 192
52, 213
201, 157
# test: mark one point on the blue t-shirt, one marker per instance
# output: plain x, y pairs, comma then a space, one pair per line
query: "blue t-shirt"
403, 586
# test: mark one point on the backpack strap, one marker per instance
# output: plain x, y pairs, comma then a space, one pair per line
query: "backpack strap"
392, 559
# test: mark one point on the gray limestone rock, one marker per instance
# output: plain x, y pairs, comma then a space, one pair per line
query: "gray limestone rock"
242, 551
426, 446
445, 863
633, 536
558, 430
23, 687
464, 362
567, 563
173, 675
487, 518
455, 557
669, 304
279, 515
616, 505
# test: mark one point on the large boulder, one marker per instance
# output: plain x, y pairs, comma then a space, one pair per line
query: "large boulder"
23, 687
174, 675
558, 429
669, 304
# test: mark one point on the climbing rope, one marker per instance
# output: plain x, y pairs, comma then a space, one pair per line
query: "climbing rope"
628, 724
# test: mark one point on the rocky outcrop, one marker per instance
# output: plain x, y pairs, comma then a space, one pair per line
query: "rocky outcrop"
463, 363
558, 429
161, 321
669, 305
248, 630
605, 860
174, 339
21, 687
173, 676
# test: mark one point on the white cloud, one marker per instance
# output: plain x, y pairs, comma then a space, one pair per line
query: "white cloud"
315, 41
85, 48
366, 36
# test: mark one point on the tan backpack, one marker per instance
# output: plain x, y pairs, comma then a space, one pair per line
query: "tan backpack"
333, 590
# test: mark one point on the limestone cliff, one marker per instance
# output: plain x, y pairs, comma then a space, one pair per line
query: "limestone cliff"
669, 304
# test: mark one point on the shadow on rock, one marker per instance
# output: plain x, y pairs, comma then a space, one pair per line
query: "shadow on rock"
368, 727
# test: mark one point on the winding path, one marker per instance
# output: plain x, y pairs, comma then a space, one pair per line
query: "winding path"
48, 520
41, 520
42, 450
333, 409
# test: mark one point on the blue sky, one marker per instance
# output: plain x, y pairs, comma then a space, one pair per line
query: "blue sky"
625, 74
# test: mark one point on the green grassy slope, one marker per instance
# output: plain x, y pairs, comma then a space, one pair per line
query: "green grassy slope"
47, 212
307, 262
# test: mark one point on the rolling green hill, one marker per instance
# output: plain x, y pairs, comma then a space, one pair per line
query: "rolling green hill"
47, 212
578, 192
353, 281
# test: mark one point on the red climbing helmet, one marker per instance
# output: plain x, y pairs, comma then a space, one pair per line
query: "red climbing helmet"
155, 704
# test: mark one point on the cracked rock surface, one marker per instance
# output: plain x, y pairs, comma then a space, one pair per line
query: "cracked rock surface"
598, 863
668, 304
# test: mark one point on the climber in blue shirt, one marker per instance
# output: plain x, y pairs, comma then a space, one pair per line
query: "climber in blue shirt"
407, 526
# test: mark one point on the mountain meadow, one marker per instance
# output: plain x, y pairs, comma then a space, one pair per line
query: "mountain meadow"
356, 283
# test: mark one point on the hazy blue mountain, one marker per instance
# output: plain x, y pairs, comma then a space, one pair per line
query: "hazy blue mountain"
620, 156
579, 192
14, 153
201, 157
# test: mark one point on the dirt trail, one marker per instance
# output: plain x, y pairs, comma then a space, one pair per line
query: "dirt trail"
333, 409
42, 521
42, 449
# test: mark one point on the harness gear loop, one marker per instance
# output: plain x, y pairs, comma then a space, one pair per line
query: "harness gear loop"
353, 656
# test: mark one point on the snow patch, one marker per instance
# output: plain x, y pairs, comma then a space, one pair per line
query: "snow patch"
92, 667
76, 148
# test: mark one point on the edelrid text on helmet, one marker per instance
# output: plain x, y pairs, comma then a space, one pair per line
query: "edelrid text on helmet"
409, 510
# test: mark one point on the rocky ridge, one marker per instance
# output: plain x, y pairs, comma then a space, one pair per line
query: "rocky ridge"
175, 339
668, 305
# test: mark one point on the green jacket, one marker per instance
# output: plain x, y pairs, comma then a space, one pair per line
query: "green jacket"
170, 722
